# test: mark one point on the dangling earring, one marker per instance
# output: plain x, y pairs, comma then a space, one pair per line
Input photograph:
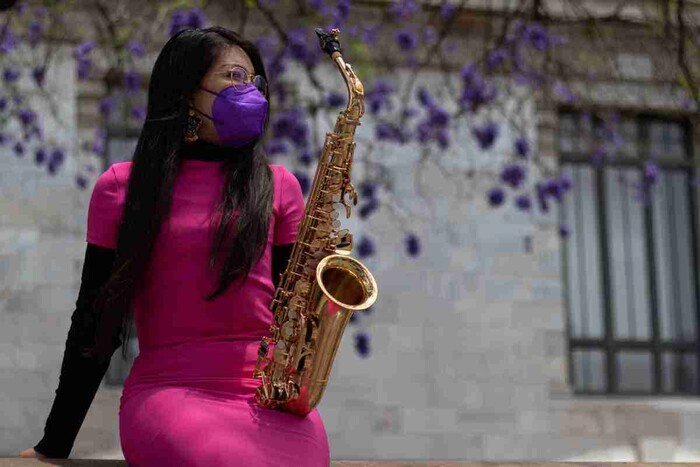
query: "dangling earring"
192, 127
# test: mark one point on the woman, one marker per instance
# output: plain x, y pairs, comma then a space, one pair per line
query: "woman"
189, 238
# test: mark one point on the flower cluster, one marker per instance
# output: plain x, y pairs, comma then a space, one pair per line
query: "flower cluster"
292, 125
434, 126
476, 91
82, 55
186, 18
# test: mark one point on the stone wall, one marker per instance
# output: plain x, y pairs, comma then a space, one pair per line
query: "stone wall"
469, 354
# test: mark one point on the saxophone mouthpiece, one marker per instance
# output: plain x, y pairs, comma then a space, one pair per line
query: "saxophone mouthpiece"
329, 41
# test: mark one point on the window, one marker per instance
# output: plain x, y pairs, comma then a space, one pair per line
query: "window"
631, 267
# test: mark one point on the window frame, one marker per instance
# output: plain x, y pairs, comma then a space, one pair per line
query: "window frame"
609, 344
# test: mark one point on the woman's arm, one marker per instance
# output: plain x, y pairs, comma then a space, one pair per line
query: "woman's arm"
80, 376
280, 258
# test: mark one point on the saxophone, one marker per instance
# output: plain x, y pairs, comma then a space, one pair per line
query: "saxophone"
322, 285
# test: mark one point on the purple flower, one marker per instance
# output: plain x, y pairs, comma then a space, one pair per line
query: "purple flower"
424, 97
138, 112
306, 157
56, 160
368, 208
335, 99
378, 97
132, 81
513, 175
178, 21
561, 89
565, 182
10, 75
81, 181
365, 248
21, 8
84, 67
367, 190
403, 9
27, 116
106, 106
136, 48
342, 12
369, 34
3, 104
291, 124
39, 74
34, 32
412, 245
486, 135
40, 156
554, 189
390, 131
564, 231
495, 58
195, 18
536, 35
651, 173
277, 147
19, 149
8, 41
409, 112
83, 49
406, 40
298, 47
496, 196
362, 343
476, 92
447, 9
304, 181
523, 202
522, 148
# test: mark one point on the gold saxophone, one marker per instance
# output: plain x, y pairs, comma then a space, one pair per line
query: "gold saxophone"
321, 286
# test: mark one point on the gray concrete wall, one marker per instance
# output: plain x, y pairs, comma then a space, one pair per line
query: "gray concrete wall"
469, 355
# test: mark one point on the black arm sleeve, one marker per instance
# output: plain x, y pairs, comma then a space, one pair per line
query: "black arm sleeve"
280, 258
80, 376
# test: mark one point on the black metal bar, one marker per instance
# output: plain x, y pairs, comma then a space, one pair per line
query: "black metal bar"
644, 132
605, 276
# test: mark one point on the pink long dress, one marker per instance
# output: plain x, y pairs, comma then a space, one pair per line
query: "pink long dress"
189, 398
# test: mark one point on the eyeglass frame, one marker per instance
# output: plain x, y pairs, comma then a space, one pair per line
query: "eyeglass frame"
248, 76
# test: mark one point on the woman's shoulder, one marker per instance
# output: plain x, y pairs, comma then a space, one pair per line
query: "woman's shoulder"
112, 182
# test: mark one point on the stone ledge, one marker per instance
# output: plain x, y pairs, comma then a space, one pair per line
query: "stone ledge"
19, 462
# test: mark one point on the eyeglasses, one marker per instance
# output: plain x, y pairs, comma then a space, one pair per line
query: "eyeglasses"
240, 79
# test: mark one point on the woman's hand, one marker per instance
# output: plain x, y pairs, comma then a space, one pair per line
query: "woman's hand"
32, 453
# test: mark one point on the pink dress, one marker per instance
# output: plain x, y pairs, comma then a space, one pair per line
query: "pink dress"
189, 398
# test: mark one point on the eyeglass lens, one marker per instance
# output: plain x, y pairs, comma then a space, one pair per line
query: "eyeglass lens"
239, 77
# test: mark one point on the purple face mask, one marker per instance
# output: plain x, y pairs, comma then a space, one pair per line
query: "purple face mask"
238, 116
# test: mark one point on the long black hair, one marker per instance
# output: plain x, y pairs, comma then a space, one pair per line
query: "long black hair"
176, 75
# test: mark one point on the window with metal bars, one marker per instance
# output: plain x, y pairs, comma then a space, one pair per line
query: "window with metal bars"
630, 266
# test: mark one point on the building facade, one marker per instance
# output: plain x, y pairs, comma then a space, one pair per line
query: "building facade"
500, 341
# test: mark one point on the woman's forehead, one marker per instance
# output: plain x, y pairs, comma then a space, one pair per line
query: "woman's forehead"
233, 55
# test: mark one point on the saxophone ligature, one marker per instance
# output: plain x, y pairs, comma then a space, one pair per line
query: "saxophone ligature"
322, 285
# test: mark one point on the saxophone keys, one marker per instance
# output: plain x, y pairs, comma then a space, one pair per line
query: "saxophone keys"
289, 331
302, 287
280, 352
324, 228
